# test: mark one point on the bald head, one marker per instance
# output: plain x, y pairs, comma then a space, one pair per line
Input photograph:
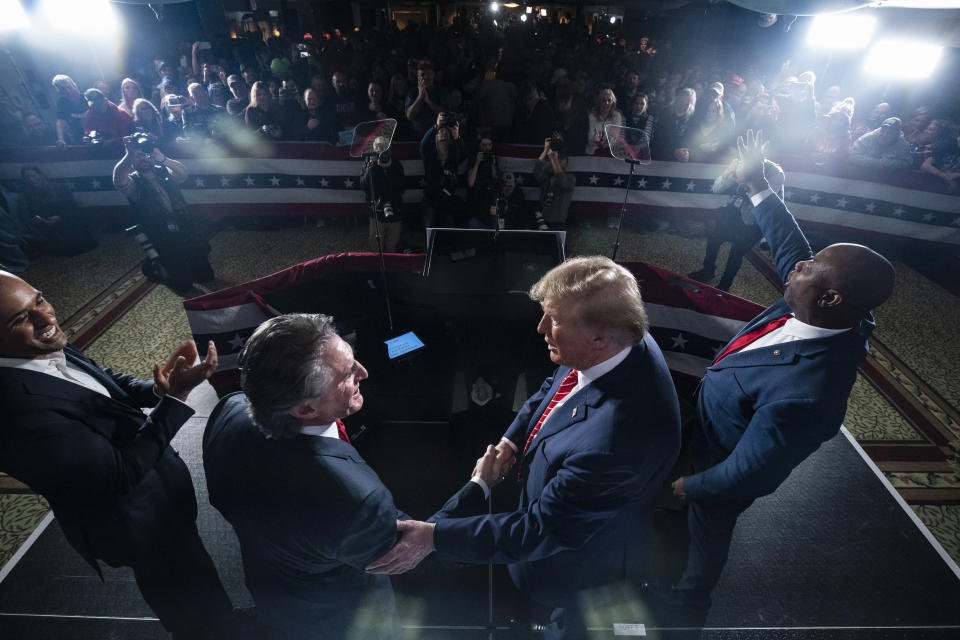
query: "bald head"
839, 285
863, 276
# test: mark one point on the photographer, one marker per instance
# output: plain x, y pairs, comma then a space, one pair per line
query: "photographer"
483, 178
441, 151
151, 182
508, 208
556, 185
383, 183
735, 223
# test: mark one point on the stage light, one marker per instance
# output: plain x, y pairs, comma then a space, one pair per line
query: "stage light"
841, 31
94, 17
494, 7
12, 17
613, 19
523, 17
902, 59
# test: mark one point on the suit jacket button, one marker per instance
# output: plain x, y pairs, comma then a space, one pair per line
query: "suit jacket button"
776, 352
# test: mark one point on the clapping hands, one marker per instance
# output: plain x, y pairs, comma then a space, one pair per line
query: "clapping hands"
179, 376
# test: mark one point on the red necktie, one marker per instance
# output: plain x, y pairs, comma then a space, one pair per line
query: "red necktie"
342, 431
566, 386
750, 336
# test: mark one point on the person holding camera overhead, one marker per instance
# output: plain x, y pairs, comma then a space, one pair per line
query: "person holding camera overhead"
151, 181
556, 185
483, 178
442, 151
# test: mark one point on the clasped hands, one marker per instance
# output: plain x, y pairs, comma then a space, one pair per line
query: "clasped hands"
416, 538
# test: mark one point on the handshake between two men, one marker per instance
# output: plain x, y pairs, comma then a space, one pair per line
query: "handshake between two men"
594, 444
416, 537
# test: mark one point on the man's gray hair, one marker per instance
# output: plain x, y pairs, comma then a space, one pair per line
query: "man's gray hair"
606, 294
281, 365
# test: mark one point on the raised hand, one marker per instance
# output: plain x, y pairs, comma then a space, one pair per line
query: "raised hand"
415, 544
750, 154
179, 376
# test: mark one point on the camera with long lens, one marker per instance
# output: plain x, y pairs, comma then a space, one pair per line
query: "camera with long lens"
143, 141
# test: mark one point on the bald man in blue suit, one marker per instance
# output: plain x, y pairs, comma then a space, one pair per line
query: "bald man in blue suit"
771, 400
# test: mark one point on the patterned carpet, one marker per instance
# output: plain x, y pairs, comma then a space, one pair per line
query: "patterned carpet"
127, 324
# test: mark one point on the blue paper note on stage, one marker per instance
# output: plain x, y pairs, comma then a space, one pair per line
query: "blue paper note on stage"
403, 344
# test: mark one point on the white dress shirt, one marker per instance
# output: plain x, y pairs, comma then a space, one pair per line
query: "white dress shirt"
792, 331
584, 378
322, 431
56, 365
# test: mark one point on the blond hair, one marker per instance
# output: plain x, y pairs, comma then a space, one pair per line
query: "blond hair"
606, 294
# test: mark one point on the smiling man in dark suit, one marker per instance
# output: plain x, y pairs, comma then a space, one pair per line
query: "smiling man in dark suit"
308, 510
593, 446
74, 432
780, 388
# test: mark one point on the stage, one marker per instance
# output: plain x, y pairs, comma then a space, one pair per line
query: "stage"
834, 553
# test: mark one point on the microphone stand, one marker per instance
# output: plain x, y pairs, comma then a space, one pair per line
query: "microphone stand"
383, 264
498, 209
623, 209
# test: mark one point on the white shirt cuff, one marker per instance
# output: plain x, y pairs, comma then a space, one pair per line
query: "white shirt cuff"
483, 485
157, 393
760, 196
509, 442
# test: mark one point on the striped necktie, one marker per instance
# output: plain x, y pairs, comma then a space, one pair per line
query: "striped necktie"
750, 336
566, 386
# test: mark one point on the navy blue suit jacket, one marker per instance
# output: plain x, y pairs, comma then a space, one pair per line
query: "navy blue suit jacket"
591, 478
106, 469
763, 411
310, 514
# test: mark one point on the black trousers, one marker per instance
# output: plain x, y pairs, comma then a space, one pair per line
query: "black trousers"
184, 255
730, 228
180, 583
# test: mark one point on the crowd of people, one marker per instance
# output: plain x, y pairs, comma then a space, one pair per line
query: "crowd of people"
461, 90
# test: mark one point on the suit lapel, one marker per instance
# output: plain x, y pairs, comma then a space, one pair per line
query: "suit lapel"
80, 361
577, 405
790, 352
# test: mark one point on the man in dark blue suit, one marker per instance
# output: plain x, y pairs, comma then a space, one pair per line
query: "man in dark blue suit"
780, 388
74, 432
309, 512
593, 447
